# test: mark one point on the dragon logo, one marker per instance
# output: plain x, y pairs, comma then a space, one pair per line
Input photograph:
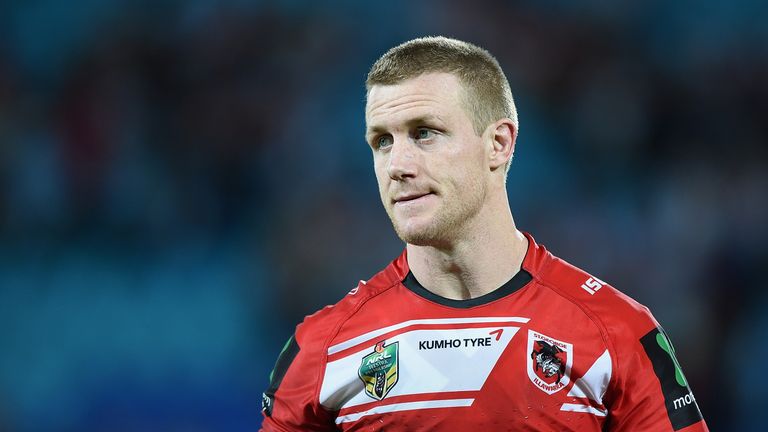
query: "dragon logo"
549, 362
546, 357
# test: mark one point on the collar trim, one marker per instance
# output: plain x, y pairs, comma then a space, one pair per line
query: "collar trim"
517, 282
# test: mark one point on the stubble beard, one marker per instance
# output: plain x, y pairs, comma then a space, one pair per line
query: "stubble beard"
449, 222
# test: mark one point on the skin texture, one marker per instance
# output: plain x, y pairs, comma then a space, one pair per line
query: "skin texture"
443, 185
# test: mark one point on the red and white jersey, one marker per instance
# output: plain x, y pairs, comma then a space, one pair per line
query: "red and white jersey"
553, 349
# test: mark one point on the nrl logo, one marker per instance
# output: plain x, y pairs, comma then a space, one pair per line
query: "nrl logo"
549, 362
378, 370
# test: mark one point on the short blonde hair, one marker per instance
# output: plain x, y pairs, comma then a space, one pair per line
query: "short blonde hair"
488, 97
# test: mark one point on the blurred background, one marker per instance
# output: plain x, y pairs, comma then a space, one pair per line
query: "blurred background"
181, 182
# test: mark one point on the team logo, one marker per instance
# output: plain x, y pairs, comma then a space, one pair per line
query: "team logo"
549, 362
378, 370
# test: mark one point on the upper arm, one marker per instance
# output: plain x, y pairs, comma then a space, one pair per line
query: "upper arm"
290, 403
650, 391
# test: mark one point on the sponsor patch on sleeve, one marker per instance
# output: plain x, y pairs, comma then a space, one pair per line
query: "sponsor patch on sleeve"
284, 360
681, 406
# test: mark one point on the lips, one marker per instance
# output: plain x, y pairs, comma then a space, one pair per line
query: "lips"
409, 197
405, 198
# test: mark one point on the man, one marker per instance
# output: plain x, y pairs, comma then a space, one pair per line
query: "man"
474, 324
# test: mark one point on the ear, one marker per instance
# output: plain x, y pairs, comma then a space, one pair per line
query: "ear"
503, 137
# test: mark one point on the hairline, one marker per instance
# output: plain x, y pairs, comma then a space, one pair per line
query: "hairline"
467, 93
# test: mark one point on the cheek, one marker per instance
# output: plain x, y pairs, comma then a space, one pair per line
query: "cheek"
466, 163
382, 178
467, 174
476, 161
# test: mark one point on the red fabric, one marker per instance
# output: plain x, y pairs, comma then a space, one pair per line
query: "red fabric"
318, 390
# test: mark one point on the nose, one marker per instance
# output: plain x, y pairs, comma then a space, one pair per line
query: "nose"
403, 160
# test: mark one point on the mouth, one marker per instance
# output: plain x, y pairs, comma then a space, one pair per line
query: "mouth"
410, 198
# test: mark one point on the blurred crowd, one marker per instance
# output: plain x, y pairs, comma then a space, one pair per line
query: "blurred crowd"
181, 182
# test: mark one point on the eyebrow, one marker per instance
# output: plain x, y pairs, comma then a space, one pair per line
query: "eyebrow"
419, 120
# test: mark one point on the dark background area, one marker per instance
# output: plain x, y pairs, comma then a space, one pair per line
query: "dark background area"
182, 181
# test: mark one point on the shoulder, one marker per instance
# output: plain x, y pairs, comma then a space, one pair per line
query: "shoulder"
319, 329
618, 316
292, 399
625, 325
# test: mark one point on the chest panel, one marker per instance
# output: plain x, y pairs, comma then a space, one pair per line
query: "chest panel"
439, 374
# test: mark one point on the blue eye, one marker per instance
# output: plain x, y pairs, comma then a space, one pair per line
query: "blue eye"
423, 134
383, 141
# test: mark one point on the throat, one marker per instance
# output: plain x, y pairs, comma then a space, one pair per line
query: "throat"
467, 273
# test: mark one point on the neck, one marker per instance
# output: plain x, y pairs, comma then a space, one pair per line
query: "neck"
473, 265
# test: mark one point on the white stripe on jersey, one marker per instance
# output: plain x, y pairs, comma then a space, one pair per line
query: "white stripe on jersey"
594, 383
378, 332
584, 409
423, 368
407, 406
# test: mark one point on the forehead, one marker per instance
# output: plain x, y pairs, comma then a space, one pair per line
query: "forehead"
428, 95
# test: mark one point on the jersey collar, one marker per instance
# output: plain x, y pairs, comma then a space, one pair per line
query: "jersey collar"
518, 281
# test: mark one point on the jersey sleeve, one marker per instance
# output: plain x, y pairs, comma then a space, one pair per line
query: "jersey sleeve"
650, 391
291, 402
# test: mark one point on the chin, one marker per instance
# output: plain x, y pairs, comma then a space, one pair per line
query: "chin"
419, 235
419, 240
